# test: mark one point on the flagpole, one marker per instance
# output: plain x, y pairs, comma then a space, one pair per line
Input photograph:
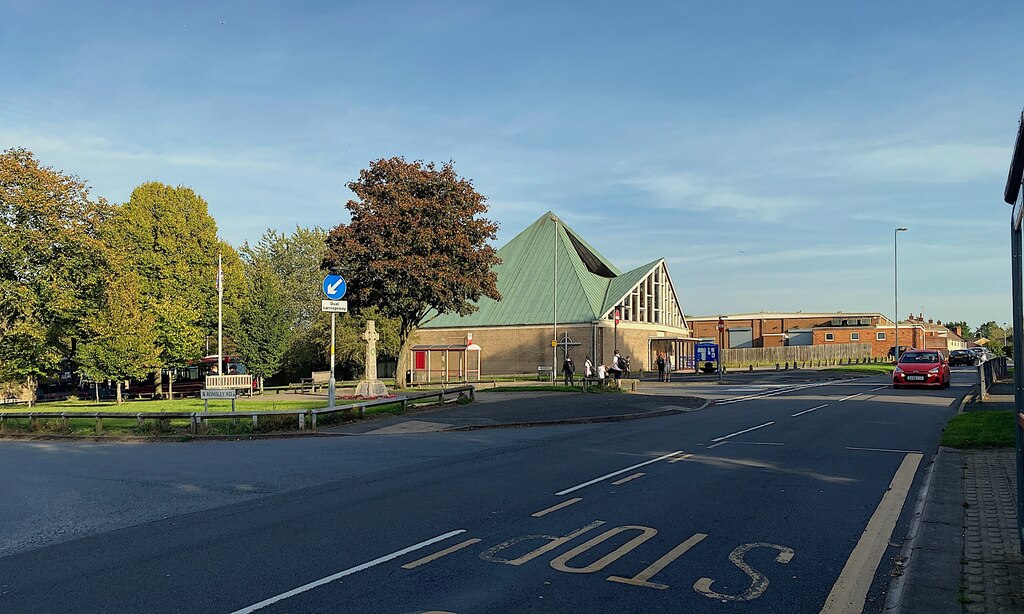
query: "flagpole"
220, 316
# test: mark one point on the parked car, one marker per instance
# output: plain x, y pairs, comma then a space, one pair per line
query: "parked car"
966, 358
921, 368
983, 354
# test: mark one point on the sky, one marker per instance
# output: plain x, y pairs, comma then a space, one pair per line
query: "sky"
766, 150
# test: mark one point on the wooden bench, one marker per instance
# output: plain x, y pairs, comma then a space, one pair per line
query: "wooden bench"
317, 378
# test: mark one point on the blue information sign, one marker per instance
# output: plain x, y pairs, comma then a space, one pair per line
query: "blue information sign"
706, 352
334, 287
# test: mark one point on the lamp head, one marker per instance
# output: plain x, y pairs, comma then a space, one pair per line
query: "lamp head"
901, 229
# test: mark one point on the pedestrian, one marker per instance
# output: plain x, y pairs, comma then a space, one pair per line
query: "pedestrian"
568, 369
601, 370
661, 367
616, 367
625, 366
668, 368
588, 370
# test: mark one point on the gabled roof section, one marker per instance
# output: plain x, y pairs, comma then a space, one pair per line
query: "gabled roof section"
588, 284
623, 284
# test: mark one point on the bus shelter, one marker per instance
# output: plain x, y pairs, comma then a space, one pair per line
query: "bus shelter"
444, 363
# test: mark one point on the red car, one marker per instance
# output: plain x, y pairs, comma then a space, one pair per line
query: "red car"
921, 368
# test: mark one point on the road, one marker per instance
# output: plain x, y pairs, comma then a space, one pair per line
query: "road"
755, 504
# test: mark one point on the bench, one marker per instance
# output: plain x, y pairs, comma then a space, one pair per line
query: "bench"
317, 378
545, 373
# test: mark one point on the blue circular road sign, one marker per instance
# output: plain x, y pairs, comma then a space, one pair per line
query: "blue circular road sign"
334, 287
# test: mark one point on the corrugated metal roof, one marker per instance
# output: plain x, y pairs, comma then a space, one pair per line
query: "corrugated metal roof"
526, 280
622, 284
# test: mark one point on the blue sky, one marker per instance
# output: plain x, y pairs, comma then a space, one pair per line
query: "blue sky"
765, 149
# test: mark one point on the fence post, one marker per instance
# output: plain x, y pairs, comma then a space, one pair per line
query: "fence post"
33, 422
312, 419
362, 411
981, 382
405, 403
255, 421
472, 393
99, 423
64, 422
3, 424
302, 421
138, 419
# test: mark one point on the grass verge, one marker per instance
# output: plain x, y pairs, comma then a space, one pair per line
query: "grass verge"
176, 405
549, 388
980, 429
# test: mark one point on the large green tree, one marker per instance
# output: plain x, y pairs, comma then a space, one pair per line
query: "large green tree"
170, 240
122, 343
262, 337
417, 243
51, 264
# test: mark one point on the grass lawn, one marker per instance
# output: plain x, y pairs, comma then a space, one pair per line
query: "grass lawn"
176, 405
980, 429
881, 368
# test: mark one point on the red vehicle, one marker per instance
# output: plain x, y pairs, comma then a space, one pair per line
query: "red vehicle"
921, 368
191, 379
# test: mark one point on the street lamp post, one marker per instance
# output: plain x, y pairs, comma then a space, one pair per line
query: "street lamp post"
896, 286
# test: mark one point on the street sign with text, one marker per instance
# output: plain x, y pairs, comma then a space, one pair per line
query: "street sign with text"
216, 394
334, 306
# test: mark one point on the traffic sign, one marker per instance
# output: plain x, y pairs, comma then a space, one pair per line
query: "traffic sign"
216, 394
334, 287
334, 306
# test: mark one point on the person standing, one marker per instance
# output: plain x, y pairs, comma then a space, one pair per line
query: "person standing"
616, 367
625, 366
601, 373
588, 370
568, 369
661, 367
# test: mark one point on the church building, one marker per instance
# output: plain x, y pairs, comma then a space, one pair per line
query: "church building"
558, 289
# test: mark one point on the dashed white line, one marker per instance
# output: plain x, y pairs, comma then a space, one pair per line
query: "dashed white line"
807, 411
619, 472
347, 572
879, 388
753, 428
850, 397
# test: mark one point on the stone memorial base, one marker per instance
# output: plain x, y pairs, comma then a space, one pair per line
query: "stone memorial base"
371, 389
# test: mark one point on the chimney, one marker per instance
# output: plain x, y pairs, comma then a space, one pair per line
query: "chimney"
958, 333
920, 317
930, 321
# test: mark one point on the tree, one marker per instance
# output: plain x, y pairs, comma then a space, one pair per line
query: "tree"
123, 336
263, 334
416, 244
51, 264
965, 328
170, 240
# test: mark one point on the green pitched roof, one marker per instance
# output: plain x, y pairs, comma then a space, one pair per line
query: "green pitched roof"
588, 284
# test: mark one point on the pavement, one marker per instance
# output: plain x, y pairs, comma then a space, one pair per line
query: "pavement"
966, 556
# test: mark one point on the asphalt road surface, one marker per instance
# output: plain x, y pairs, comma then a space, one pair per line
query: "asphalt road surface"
776, 499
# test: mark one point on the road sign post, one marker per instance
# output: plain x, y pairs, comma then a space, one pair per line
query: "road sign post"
206, 394
334, 288
721, 344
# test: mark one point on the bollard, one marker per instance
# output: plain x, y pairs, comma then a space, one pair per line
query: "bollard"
786, 368
776, 366
750, 368
405, 404
472, 393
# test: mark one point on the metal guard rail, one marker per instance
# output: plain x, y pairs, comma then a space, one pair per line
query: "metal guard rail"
196, 419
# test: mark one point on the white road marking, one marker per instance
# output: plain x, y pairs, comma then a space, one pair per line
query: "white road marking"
807, 411
753, 428
879, 388
347, 572
850, 397
555, 508
619, 472
772, 393
885, 450
851, 588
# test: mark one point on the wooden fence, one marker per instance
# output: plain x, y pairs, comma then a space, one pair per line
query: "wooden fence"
811, 354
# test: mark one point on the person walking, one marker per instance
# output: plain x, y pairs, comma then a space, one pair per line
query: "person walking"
661, 367
625, 366
568, 369
601, 371
588, 370
616, 367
